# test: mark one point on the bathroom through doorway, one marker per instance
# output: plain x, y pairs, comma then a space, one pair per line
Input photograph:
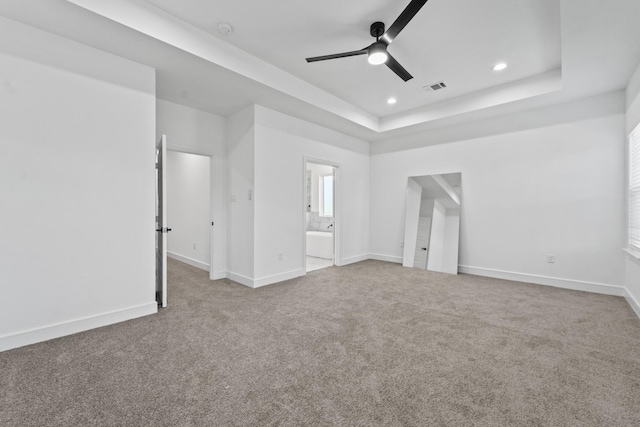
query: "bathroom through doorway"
320, 215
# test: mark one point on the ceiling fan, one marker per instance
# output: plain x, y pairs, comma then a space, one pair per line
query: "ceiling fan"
377, 51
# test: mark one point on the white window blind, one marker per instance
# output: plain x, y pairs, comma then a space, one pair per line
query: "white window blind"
634, 189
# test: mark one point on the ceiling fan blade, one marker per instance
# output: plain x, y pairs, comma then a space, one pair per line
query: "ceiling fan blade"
337, 55
407, 14
398, 69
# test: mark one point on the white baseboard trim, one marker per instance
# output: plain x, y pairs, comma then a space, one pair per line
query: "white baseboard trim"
239, 278
57, 330
353, 259
388, 258
264, 281
219, 275
599, 288
187, 260
635, 305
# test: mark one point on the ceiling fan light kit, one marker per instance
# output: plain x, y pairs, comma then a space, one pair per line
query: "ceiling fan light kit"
377, 51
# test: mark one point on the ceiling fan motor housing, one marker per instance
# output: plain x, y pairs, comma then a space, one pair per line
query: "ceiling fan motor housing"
377, 29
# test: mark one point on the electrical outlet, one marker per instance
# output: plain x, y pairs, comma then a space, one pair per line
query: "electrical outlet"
280, 256
551, 258
194, 246
402, 243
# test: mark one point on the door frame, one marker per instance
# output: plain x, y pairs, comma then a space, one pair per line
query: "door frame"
210, 204
161, 222
337, 258
217, 209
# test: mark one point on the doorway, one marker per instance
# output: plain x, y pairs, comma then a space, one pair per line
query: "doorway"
185, 191
320, 215
188, 184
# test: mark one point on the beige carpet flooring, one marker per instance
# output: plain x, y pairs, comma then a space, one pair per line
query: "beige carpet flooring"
370, 344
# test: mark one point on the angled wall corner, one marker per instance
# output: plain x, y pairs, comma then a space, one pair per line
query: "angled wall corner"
240, 195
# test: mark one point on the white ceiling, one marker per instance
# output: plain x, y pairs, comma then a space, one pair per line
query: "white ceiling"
557, 51
455, 41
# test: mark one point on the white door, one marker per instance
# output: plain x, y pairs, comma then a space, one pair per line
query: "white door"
161, 224
422, 243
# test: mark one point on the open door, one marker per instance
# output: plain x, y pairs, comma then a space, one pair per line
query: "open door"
422, 243
161, 224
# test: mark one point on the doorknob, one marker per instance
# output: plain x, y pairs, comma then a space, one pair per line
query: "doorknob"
424, 249
163, 230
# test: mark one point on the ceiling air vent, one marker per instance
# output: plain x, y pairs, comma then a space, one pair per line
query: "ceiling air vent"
435, 86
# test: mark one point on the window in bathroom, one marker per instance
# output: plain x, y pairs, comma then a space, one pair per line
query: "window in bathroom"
326, 195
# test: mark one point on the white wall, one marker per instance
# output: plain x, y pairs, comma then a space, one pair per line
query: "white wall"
188, 193
426, 207
632, 97
77, 187
189, 130
555, 186
411, 220
281, 144
632, 265
240, 180
193, 131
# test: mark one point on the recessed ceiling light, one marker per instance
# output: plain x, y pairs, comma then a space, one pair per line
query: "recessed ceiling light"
391, 101
499, 67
